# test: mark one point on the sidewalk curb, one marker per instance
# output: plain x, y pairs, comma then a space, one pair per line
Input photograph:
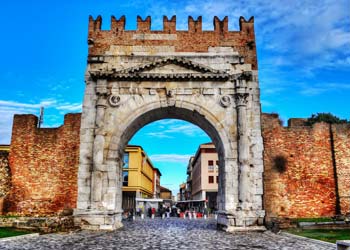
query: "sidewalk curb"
25, 236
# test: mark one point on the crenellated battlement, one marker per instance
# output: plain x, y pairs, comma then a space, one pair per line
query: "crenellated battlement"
169, 25
194, 39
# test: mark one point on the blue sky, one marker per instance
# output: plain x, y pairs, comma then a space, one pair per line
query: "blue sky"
303, 56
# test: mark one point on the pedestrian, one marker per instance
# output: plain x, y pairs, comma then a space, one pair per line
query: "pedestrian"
205, 212
168, 212
153, 211
162, 212
142, 213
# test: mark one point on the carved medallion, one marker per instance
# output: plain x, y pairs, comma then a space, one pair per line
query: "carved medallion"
225, 101
114, 100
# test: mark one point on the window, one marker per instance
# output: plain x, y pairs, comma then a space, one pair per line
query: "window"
217, 179
211, 179
125, 178
210, 166
126, 160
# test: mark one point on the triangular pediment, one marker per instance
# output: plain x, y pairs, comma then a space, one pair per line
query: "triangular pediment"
171, 68
174, 68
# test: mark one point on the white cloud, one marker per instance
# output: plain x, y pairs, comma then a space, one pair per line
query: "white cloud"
9, 108
323, 88
15, 104
169, 128
159, 135
70, 107
170, 158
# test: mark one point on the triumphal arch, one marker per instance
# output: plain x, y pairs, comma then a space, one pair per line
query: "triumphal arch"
135, 77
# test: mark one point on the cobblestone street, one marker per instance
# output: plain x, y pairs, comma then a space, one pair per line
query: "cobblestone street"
166, 234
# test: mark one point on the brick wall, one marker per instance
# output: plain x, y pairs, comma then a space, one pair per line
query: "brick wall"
341, 134
299, 171
44, 166
5, 177
192, 40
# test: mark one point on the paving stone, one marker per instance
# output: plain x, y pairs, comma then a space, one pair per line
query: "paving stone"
169, 234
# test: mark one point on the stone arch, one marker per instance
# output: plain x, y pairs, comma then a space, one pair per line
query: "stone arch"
153, 111
203, 118
213, 90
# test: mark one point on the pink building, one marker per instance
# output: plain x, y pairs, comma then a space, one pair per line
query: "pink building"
205, 174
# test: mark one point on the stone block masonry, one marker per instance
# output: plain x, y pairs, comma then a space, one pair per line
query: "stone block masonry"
44, 166
301, 179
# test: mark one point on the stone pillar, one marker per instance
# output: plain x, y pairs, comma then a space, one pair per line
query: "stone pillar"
243, 149
98, 147
101, 212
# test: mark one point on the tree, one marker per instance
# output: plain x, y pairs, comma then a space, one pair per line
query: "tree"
324, 117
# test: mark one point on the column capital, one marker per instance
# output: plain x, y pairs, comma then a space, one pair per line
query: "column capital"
241, 99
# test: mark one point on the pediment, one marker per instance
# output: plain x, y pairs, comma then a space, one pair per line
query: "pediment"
174, 68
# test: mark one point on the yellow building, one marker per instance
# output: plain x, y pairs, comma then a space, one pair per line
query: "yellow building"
140, 178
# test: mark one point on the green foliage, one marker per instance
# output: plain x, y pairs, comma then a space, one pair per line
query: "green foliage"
324, 117
9, 232
329, 235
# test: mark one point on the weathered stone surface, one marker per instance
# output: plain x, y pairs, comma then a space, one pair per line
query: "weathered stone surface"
143, 76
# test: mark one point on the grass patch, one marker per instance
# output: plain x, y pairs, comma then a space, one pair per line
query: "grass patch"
9, 216
329, 235
9, 232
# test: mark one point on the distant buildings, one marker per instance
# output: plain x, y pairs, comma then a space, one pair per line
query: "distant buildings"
188, 193
182, 192
203, 175
165, 193
140, 178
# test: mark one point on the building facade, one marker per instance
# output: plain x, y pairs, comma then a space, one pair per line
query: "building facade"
156, 183
205, 175
165, 193
188, 194
140, 178
182, 191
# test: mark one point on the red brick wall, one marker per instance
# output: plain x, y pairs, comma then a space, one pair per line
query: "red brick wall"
342, 156
5, 177
44, 166
306, 187
193, 40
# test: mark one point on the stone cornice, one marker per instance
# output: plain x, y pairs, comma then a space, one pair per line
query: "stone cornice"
201, 72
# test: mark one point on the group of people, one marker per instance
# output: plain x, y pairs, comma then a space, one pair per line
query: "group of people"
166, 212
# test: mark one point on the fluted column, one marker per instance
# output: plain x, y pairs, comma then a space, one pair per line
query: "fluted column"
99, 141
243, 148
